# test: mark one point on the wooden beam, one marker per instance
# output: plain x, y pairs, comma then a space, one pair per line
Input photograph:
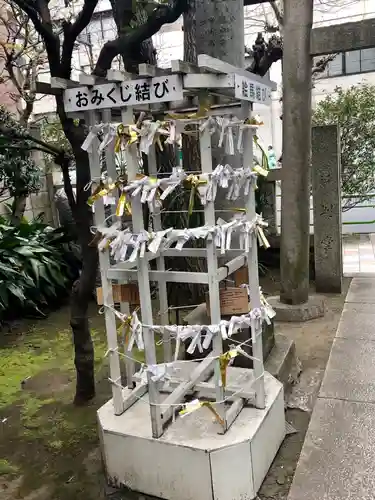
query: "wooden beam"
114, 75
62, 83
179, 393
204, 81
134, 396
231, 267
343, 37
149, 70
45, 88
205, 389
116, 273
220, 67
184, 67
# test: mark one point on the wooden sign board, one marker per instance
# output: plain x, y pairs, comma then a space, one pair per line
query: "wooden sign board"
251, 90
121, 293
241, 276
232, 301
129, 93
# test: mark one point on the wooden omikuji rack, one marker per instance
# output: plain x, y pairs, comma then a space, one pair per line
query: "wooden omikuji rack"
97, 99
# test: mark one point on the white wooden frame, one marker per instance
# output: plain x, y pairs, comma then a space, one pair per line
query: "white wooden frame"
220, 77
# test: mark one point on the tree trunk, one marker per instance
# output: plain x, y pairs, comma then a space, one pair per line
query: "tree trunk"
190, 144
295, 198
220, 34
220, 30
83, 288
18, 209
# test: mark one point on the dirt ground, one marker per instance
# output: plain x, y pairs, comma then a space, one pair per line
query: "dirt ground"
49, 449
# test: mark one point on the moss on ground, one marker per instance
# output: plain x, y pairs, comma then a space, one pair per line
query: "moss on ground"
43, 437
7, 469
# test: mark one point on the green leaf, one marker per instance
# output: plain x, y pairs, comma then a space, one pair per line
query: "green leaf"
16, 291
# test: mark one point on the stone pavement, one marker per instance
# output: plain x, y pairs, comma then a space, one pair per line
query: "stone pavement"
337, 461
359, 254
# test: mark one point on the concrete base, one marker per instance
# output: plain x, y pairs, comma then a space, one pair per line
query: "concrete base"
199, 316
282, 362
312, 309
191, 461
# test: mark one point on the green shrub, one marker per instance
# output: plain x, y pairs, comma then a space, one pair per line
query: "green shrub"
37, 267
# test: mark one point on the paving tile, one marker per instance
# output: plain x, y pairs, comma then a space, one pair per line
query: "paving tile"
350, 372
337, 458
361, 290
357, 322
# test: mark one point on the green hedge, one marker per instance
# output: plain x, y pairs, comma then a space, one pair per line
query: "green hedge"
37, 268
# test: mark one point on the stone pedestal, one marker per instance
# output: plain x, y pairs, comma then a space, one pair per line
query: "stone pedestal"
312, 309
326, 181
191, 460
199, 316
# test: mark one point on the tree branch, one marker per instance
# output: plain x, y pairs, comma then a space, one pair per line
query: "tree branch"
33, 14
128, 42
277, 12
71, 32
253, 2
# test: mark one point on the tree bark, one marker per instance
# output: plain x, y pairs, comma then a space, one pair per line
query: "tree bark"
82, 289
18, 208
190, 144
295, 200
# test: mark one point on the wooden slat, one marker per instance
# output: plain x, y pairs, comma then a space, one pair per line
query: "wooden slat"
134, 396
116, 272
232, 413
180, 392
231, 267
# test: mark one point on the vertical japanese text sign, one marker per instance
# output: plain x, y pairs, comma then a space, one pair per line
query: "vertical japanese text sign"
251, 90
129, 93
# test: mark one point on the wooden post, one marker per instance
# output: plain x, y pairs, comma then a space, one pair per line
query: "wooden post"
144, 285
252, 262
160, 264
213, 282
124, 306
110, 320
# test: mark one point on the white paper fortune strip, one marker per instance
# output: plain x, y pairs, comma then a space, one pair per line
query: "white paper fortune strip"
120, 241
200, 336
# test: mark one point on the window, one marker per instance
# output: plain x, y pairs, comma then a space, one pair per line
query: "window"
368, 59
353, 62
334, 68
350, 63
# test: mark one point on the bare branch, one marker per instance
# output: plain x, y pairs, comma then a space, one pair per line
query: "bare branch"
277, 12
40, 26
71, 32
321, 65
